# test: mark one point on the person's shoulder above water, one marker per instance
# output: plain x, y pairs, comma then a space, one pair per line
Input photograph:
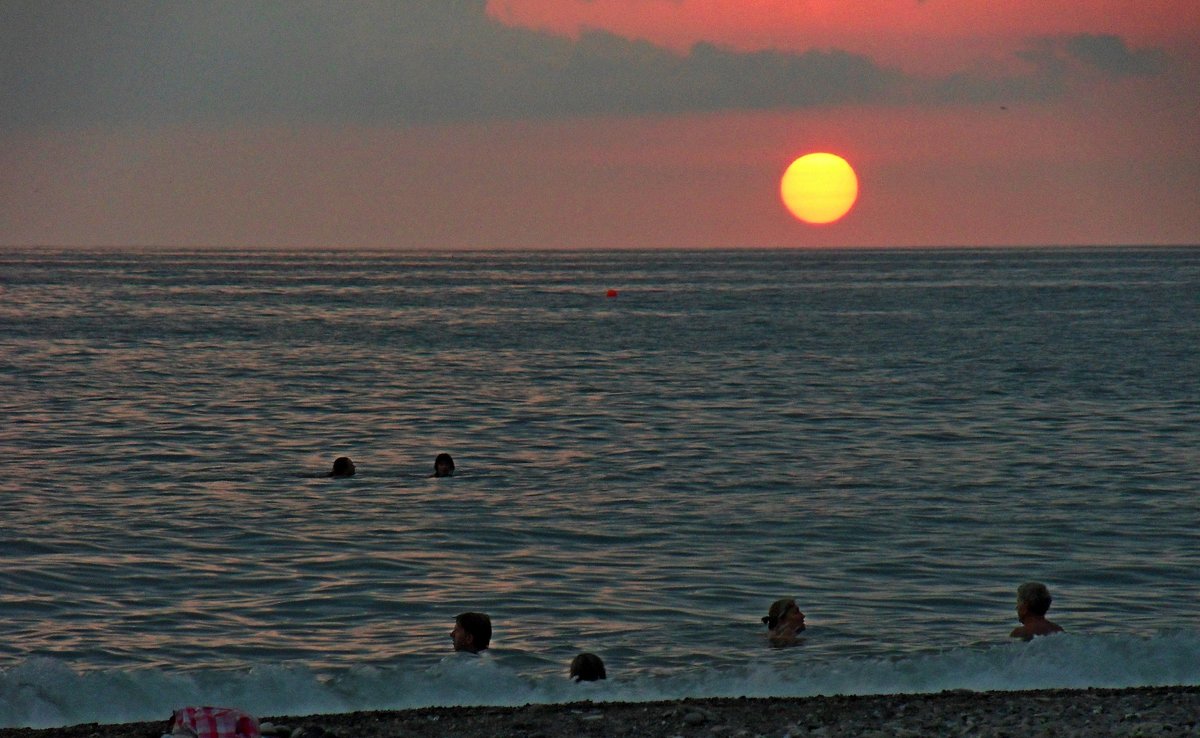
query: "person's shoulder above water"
785, 623
1028, 632
342, 467
443, 466
1033, 602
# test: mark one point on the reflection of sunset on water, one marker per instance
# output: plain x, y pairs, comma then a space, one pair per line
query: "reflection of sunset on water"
623, 467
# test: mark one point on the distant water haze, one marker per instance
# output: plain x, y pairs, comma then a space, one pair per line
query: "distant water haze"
896, 439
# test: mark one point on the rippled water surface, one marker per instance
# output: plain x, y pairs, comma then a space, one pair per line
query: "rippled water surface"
897, 439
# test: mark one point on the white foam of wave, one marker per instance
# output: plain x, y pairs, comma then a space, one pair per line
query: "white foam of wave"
45, 692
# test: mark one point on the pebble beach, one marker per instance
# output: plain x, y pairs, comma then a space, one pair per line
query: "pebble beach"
1090, 713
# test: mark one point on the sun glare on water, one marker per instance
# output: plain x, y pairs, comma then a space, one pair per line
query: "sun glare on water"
819, 188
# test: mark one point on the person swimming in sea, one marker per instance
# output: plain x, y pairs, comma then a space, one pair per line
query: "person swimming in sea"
472, 632
342, 467
784, 623
587, 667
443, 466
1033, 602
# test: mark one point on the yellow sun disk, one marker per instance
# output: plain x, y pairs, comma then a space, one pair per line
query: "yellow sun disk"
819, 188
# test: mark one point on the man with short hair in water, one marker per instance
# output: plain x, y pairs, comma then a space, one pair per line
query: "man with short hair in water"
1033, 602
472, 632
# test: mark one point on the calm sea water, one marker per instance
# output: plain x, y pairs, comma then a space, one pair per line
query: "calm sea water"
897, 439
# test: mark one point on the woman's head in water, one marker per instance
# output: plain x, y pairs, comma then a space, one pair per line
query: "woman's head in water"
342, 467
443, 466
784, 613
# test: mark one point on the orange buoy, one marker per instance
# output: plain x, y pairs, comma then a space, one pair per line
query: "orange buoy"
612, 293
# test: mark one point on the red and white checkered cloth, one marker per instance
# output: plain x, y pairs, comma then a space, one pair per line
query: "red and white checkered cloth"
214, 722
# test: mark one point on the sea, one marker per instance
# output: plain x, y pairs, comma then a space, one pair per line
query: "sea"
651, 447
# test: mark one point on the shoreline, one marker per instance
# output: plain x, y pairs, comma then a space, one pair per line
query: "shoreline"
1082, 713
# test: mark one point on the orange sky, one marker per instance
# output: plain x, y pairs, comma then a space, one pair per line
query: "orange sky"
444, 126
921, 35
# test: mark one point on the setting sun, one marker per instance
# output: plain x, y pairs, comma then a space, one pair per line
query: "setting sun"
819, 188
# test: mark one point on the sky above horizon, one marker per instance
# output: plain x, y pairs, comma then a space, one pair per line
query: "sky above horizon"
484, 124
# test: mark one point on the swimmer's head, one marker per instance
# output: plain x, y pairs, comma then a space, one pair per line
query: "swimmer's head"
443, 466
1034, 597
342, 467
472, 632
783, 611
587, 667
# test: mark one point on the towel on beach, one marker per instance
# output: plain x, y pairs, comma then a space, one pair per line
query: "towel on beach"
214, 722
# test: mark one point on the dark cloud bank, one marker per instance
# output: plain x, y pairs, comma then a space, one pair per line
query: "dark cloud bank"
71, 62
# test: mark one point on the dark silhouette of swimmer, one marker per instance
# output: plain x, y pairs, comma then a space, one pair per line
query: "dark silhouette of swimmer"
784, 623
342, 467
443, 466
587, 667
472, 632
